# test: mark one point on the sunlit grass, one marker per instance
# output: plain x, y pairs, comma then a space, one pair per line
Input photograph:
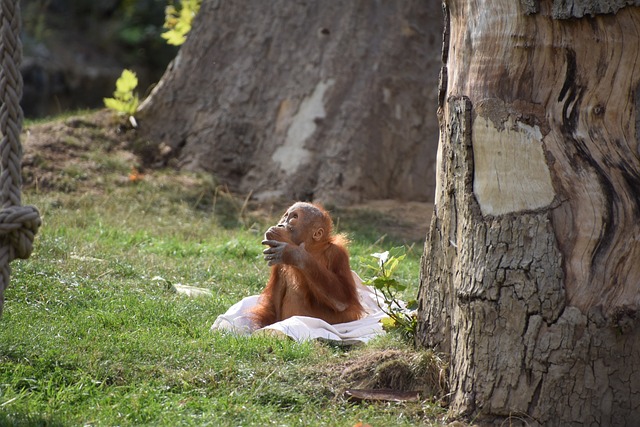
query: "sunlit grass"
91, 336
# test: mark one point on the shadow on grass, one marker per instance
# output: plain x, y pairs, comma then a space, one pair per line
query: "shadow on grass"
23, 420
371, 227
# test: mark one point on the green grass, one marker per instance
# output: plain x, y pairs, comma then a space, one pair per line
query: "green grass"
91, 336
64, 115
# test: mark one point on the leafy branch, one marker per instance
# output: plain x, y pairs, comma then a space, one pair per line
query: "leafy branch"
178, 21
124, 100
401, 315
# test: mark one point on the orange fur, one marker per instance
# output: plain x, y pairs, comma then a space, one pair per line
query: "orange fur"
310, 275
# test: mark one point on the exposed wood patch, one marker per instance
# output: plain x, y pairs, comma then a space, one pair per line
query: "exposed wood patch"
511, 172
293, 153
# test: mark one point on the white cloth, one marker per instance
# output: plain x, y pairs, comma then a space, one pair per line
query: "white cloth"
303, 328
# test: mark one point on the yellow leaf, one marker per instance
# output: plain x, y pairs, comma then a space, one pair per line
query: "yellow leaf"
124, 101
127, 81
178, 22
388, 322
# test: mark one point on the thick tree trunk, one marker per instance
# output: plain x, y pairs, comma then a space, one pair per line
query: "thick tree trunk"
531, 273
326, 100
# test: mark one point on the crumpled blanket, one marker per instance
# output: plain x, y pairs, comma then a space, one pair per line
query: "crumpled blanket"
303, 328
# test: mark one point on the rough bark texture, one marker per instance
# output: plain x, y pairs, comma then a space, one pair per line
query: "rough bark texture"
531, 279
565, 9
326, 100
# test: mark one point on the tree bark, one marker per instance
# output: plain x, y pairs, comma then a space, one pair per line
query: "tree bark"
325, 100
531, 273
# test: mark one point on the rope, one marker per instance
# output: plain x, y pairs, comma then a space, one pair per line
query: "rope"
18, 224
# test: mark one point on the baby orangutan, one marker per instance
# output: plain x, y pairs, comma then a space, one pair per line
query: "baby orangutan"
310, 272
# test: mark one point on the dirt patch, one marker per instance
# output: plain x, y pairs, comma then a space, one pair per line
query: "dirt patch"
77, 153
370, 375
66, 155
410, 219
397, 370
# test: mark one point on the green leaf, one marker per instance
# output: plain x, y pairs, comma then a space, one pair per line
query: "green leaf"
113, 104
381, 282
178, 22
393, 284
391, 265
397, 252
397, 286
173, 38
127, 82
388, 323
124, 100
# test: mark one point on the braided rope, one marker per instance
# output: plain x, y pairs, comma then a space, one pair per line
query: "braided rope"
18, 224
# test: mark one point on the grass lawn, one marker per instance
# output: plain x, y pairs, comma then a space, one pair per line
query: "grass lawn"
91, 333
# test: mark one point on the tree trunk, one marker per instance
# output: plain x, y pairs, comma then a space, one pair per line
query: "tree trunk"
531, 273
326, 100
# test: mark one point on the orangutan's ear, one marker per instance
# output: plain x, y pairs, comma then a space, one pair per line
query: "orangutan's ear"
318, 234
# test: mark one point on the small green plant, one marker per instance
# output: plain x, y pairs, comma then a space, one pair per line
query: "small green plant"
178, 21
124, 100
401, 314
